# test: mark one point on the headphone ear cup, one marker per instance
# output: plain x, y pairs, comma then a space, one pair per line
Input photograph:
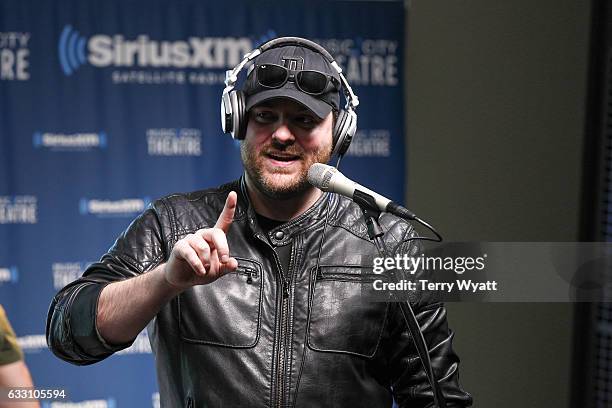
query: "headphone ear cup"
238, 114
345, 128
226, 113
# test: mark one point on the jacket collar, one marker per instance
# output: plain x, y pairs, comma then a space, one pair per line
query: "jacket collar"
284, 233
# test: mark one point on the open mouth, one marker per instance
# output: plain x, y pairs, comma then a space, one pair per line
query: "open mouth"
282, 157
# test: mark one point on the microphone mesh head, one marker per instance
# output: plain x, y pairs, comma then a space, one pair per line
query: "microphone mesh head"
320, 174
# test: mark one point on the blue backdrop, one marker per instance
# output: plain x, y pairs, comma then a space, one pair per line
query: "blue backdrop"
105, 106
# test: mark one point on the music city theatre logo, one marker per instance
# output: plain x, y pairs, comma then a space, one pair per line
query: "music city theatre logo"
14, 56
143, 53
141, 345
18, 210
371, 143
113, 208
174, 142
9, 274
66, 272
79, 141
366, 61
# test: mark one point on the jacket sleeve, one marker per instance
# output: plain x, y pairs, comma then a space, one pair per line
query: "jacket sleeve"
71, 329
409, 382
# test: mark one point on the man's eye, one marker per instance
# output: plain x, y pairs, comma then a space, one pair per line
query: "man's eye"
265, 117
306, 120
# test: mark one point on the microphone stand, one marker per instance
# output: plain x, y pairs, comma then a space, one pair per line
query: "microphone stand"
371, 214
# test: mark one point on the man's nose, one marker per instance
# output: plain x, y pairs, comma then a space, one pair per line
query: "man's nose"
283, 135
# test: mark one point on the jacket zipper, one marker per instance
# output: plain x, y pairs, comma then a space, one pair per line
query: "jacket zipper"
250, 274
281, 360
280, 344
281, 349
347, 276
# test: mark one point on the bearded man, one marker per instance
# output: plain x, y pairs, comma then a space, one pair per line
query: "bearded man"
226, 279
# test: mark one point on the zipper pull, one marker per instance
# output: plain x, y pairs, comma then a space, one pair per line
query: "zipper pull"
249, 277
285, 290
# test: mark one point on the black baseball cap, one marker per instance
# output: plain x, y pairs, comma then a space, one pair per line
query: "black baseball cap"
294, 58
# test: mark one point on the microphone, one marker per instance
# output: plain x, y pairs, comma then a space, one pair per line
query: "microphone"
328, 178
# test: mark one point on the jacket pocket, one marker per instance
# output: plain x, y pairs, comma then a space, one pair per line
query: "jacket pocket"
225, 312
340, 319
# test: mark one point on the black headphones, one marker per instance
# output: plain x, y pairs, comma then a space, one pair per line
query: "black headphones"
233, 113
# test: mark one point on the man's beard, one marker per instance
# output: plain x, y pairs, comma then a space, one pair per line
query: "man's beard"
279, 184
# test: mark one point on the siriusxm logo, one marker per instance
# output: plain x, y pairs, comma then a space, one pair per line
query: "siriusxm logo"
32, 343
107, 403
155, 400
9, 275
123, 207
71, 50
70, 141
265, 37
103, 50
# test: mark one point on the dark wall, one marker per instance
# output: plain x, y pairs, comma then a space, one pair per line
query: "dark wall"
496, 98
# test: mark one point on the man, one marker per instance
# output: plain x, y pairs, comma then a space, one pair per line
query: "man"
238, 314
13, 371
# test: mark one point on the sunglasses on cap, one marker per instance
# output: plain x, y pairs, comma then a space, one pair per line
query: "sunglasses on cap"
307, 81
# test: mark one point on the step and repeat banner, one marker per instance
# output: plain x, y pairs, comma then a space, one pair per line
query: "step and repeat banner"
105, 106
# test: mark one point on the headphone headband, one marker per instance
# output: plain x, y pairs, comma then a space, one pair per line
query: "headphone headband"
231, 76
302, 42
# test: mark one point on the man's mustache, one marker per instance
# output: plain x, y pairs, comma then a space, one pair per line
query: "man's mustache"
283, 152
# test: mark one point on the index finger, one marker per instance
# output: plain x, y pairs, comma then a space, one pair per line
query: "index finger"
227, 214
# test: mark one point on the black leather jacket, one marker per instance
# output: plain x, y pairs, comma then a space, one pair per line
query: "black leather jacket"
257, 338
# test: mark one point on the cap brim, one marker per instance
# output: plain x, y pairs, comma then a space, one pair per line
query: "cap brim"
318, 107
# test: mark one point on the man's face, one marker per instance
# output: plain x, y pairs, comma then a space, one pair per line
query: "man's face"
283, 139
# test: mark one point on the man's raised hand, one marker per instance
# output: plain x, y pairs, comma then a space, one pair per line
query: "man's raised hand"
204, 256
